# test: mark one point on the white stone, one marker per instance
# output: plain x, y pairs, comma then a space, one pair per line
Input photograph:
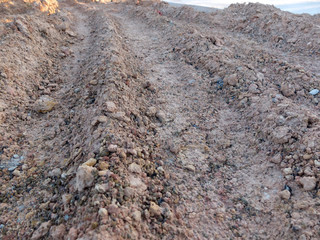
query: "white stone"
84, 177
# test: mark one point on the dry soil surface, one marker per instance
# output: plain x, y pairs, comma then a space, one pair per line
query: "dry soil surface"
124, 121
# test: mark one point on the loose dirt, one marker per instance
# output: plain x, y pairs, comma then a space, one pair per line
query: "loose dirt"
125, 121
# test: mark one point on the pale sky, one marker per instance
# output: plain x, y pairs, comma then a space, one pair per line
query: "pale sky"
296, 6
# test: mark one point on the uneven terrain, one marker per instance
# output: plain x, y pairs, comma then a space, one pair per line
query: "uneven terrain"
125, 121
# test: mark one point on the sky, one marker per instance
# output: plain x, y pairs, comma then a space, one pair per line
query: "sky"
295, 6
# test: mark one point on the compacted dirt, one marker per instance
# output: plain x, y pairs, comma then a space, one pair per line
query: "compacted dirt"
125, 121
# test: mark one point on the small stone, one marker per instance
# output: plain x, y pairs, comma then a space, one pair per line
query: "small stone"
103, 173
137, 183
66, 198
102, 119
276, 159
287, 171
174, 148
121, 116
58, 232
134, 168
307, 156
103, 166
45, 104
190, 168
314, 92
161, 116
308, 183
253, 88
91, 162
133, 152
128, 192
112, 148
16, 173
102, 188
136, 215
232, 80
281, 135
55, 172
154, 209
110, 107
287, 90
103, 213
151, 111
285, 194
260, 76
41, 231
16, 156
113, 209
72, 234
84, 177
93, 82
316, 163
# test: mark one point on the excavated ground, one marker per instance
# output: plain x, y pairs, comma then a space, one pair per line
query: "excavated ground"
121, 121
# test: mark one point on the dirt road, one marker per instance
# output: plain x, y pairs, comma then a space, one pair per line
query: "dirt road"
165, 123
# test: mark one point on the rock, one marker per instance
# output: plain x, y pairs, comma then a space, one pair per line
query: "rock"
231, 80
72, 234
22, 27
102, 119
287, 171
136, 215
314, 92
161, 116
151, 111
154, 209
41, 231
103, 166
113, 209
174, 148
133, 152
253, 88
102, 188
285, 194
112, 148
103, 213
137, 183
307, 156
58, 232
2, 117
44, 104
287, 90
276, 158
16, 173
3, 106
308, 183
84, 177
316, 163
260, 76
103, 173
91, 162
93, 82
190, 168
55, 172
110, 107
121, 116
66, 198
134, 168
128, 192
281, 135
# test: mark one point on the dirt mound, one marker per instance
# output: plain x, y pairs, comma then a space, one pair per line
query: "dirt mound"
153, 122
24, 6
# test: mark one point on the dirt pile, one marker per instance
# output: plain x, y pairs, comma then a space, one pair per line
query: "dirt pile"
153, 122
24, 6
